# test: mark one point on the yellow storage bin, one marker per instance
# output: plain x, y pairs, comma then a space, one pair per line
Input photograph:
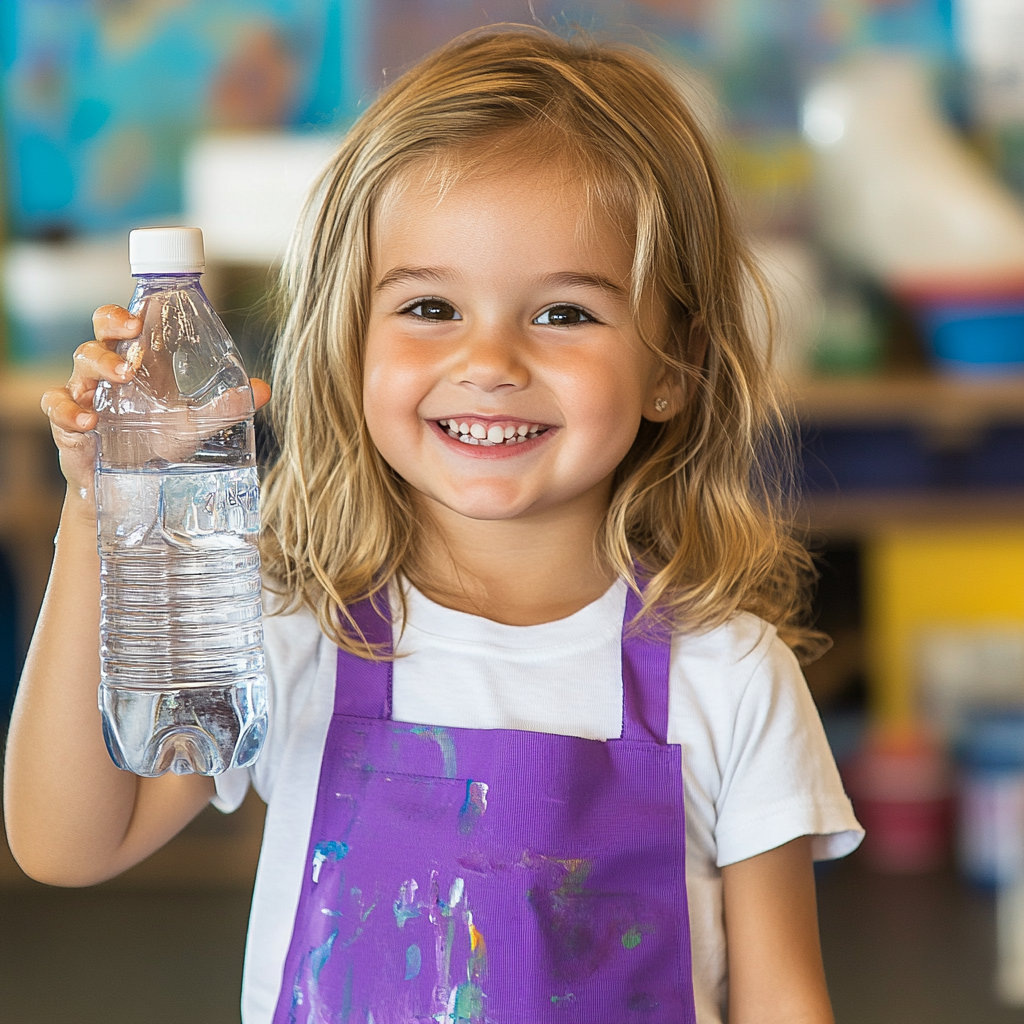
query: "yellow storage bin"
920, 579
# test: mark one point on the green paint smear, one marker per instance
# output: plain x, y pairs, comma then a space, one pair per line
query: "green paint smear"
469, 1002
632, 938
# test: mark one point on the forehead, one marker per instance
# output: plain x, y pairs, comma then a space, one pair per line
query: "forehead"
536, 203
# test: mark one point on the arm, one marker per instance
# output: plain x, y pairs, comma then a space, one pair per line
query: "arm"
72, 817
771, 924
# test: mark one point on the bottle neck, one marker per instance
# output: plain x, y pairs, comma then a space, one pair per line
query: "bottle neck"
167, 280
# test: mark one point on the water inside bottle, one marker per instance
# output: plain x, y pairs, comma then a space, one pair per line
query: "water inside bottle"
183, 686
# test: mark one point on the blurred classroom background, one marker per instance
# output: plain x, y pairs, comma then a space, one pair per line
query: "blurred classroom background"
877, 151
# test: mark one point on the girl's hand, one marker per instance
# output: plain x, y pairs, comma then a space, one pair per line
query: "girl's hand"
70, 408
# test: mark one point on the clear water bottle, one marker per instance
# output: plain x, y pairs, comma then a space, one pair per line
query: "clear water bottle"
182, 681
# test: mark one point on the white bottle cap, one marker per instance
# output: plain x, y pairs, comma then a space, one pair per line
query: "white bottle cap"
166, 251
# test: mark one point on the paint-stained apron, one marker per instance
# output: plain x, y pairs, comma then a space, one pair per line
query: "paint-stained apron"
493, 875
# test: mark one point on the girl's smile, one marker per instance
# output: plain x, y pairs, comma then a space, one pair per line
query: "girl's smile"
484, 432
504, 374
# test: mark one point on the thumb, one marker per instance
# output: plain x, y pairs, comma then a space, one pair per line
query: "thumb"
260, 392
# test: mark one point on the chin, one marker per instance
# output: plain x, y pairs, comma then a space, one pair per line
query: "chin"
484, 507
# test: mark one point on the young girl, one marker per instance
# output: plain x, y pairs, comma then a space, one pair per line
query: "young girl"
540, 749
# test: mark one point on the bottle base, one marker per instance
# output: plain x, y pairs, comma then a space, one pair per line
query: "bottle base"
200, 730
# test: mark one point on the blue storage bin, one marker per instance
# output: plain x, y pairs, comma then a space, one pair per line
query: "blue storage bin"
990, 751
976, 335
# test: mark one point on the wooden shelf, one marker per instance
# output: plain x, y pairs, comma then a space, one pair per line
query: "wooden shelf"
926, 400
20, 392
853, 514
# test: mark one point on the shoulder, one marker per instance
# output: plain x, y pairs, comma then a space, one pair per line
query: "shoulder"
722, 663
733, 682
740, 682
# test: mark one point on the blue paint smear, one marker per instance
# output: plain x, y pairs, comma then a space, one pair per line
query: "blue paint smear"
346, 994
413, 962
473, 807
444, 740
318, 957
332, 849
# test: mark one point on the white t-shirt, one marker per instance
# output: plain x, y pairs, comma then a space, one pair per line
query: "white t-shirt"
756, 766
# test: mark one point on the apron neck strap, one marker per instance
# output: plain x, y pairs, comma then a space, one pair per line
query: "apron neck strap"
646, 660
363, 688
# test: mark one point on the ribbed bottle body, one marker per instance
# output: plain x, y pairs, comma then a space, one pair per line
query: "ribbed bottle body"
182, 680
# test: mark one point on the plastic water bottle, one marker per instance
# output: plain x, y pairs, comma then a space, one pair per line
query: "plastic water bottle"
182, 681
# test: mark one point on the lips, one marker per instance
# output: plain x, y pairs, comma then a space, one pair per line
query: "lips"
491, 433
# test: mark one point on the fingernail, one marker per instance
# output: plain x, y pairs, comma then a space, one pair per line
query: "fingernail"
82, 419
121, 369
132, 323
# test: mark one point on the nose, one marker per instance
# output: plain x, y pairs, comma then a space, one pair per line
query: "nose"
491, 359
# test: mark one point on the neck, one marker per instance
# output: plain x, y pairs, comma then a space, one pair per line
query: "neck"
520, 572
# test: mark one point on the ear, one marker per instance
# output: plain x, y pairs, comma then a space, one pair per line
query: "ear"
671, 391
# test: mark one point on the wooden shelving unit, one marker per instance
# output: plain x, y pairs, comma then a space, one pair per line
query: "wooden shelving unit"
949, 411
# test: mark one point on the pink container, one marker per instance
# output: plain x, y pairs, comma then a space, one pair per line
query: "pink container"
900, 783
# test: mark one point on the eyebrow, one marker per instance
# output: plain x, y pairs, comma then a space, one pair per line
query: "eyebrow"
573, 278
397, 275
568, 278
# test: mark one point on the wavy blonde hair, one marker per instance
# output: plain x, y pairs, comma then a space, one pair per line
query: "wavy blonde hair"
700, 503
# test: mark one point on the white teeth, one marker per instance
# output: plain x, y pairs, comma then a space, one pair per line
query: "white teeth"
488, 435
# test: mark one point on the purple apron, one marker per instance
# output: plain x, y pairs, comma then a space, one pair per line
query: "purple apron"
493, 875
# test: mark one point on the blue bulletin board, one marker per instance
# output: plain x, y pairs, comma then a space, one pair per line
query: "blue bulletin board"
102, 96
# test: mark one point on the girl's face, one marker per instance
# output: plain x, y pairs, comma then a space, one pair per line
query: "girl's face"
504, 374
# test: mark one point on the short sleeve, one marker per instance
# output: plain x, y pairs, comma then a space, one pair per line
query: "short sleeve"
779, 780
231, 787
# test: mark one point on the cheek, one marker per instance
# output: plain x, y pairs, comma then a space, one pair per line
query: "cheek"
394, 382
606, 401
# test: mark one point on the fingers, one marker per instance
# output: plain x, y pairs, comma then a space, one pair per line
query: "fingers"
115, 323
65, 413
95, 361
260, 392
70, 407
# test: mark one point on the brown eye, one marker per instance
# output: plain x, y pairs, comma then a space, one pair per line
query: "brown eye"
563, 316
432, 309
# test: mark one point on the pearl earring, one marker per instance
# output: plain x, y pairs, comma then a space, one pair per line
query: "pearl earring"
661, 404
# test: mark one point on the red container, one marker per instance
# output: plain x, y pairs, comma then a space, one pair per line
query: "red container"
900, 783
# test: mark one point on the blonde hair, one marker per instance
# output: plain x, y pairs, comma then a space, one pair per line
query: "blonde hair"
700, 503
